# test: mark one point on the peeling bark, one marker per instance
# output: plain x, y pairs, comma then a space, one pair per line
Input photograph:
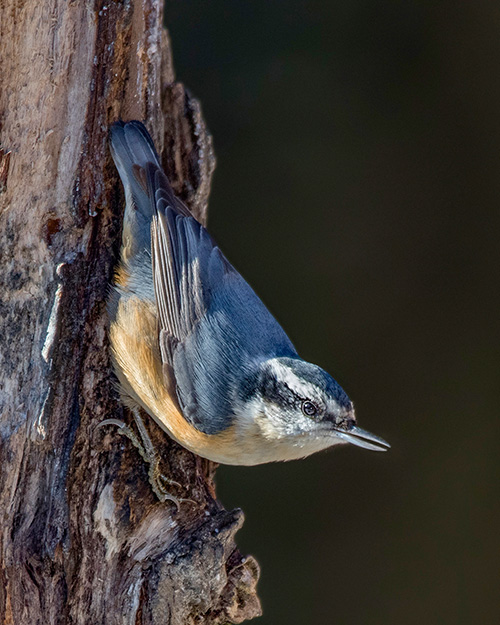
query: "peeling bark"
83, 539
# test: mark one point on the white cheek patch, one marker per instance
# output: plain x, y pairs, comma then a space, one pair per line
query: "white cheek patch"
263, 418
248, 411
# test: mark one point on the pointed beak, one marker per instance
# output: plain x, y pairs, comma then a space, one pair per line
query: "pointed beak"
362, 438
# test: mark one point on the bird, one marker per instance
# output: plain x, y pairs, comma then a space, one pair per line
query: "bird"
196, 349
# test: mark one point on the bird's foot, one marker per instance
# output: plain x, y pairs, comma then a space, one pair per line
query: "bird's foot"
143, 443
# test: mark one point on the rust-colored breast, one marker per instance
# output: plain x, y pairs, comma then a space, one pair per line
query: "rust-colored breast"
138, 365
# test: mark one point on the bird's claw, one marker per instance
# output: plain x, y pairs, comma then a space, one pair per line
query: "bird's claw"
146, 449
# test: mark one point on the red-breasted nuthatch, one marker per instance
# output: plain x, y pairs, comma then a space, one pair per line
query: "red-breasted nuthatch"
196, 348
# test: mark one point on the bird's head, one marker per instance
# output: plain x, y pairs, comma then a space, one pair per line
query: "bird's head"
301, 409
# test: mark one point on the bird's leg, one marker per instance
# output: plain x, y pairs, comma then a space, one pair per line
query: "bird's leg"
149, 455
147, 451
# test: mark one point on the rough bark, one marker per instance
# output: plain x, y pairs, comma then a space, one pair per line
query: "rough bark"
83, 539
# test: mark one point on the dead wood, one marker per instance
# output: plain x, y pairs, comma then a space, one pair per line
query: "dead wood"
83, 539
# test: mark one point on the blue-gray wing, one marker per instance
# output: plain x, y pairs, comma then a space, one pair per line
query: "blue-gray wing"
185, 262
213, 327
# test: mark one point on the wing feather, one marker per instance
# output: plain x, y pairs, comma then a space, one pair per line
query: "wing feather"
184, 258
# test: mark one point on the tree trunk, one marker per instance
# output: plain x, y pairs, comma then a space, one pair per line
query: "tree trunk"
84, 541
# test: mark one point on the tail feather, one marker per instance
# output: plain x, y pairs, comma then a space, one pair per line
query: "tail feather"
147, 188
132, 150
134, 153
131, 140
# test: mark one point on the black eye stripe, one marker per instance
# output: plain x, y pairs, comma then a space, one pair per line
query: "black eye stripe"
292, 392
278, 392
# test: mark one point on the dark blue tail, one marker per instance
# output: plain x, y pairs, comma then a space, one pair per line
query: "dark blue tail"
134, 153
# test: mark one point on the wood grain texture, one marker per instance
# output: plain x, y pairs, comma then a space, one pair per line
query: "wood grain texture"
83, 539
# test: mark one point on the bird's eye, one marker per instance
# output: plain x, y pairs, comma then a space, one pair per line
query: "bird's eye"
309, 409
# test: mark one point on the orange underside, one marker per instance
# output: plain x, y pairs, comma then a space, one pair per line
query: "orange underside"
134, 340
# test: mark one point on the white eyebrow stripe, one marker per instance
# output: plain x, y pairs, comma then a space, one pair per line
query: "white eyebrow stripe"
295, 384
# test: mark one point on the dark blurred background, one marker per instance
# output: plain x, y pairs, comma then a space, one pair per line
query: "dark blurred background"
358, 190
